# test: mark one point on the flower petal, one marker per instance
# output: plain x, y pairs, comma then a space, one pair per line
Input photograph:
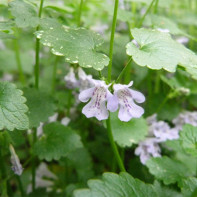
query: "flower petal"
137, 96
90, 110
112, 103
135, 110
85, 95
123, 114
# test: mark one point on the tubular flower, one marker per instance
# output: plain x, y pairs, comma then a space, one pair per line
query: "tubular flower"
125, 97
70, 79
85, 81
147, 149
98, 96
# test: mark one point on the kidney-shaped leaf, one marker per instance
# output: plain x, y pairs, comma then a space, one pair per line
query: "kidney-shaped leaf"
41, 106
188, 138
12, 108
128, 133
114, 185
57, 141
77, 45
25, 14
167, 170
158, 50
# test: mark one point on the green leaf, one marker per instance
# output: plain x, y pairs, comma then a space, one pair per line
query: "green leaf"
25, 14
41, 106
162, 3
189, 187
7, 26
81, 160
165, 191
166, 169
158, 50
12, 108
165, 23
188, 138
114, 185
128, 133
77, 45
57, 141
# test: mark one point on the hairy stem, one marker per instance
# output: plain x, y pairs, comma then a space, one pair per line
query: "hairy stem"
113, 145
37, 58
112, 39
79, 15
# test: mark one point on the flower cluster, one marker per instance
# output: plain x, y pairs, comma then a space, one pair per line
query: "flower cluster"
159, 131
83, 82
185, 118
102, 100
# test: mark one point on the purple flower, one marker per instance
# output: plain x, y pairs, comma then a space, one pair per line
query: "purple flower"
163, 132
185, 118
124, 97
70, 79
98, 96
160, 129
85, 81
147, 149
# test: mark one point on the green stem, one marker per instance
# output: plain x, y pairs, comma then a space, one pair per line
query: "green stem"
157, 81
20, 186
112, 39
3, 176
113, 145
37, 58
144, 16
69, 102
156, 6
34, 162
54, 74
123, 71
79, 15
163, 103
18, 62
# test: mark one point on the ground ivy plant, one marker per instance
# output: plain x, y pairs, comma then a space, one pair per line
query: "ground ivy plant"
98, 98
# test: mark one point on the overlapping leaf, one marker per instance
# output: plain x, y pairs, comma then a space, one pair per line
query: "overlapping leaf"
41, 106
166, 169
114, 185
158, 50
6, 29
57, 141
25, 14
189, 187
77, 45
12, 108
128, 133
188, 138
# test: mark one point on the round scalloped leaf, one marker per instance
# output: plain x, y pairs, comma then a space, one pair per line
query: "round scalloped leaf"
25, 14
41, 106
166, 169
114, 185
128, 133
56, 142
158, 50
12, 108
188, 138
77, 45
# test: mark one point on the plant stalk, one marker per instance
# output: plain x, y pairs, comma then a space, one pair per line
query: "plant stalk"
112, 39
145, 14
37, 58
113, 145
79, 15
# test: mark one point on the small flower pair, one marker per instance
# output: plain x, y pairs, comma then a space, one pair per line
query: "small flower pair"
101, 100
